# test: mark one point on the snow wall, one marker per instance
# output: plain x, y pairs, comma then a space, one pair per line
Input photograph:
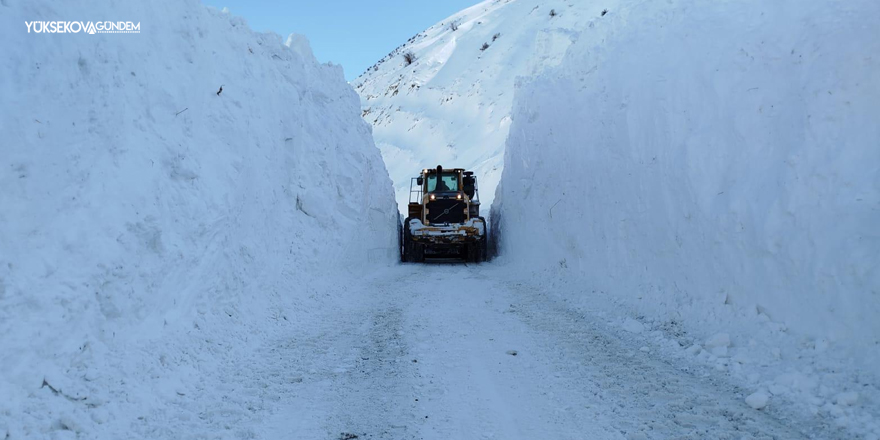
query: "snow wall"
700, 159
137, 198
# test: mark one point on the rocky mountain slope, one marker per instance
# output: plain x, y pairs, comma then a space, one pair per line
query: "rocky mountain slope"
451, 105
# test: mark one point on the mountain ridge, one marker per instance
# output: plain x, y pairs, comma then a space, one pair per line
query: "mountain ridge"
469, 63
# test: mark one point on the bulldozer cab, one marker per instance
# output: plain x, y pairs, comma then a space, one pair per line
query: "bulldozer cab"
434, 183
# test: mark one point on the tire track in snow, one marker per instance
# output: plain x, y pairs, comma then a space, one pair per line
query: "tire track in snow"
375, 397
481, 377
452, 351
357, 375
645, 396
572, 376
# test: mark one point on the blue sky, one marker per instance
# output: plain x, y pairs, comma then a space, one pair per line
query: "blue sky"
353, 33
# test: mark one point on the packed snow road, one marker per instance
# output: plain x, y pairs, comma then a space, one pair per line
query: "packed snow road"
458, 352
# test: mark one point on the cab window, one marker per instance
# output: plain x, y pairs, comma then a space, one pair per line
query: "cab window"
448, 182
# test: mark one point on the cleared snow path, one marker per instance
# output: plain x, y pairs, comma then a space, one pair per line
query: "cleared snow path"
449, 352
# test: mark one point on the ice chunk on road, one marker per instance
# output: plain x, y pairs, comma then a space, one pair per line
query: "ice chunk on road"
719, 351
694, 349
633, 326
776, 389
758, 400
847, 399
719, 340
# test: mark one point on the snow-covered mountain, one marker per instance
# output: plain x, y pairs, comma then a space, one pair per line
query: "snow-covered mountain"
150, 222
451, 106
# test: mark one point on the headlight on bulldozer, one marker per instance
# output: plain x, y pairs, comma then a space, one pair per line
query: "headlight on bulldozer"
432, 197
458, 196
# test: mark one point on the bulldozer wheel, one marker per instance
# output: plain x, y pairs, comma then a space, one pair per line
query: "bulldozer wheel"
484, 243
401, 243
412, 252
475, 253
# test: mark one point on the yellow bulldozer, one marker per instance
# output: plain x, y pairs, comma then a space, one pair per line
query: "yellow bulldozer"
443, 219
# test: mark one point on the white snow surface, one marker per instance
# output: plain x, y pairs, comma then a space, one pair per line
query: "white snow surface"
149, 227
180, 264
713, 168
452, 106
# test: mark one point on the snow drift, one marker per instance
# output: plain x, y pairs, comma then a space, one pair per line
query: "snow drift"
139, 199
694, 158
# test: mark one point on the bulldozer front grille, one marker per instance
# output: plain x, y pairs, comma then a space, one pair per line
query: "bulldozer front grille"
446, 211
